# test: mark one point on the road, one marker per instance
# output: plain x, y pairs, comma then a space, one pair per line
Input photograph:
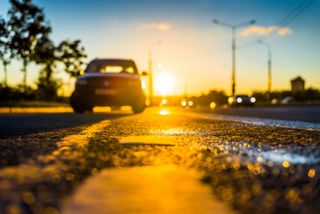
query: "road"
305, 113
165, 160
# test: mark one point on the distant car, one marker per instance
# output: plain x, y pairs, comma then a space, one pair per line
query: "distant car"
286, 100
108, 82
242, 100
187, 104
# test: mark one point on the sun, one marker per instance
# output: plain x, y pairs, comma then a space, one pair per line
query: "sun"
164, 84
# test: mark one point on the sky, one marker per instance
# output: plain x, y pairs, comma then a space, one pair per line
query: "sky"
194, 52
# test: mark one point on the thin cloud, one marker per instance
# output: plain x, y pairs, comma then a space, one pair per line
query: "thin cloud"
266, 31
162, 26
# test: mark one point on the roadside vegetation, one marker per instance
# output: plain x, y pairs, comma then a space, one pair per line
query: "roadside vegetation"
309, 96
25, 36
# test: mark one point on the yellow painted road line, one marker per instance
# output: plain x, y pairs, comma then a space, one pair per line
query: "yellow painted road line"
148, 140
51, 166
147, 189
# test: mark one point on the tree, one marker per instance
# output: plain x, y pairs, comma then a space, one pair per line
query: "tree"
27, 26
46, 56
4, 49
72, 55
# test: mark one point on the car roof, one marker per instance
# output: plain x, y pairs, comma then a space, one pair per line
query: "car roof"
112, 61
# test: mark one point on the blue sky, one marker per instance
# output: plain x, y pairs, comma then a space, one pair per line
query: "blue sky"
193, 49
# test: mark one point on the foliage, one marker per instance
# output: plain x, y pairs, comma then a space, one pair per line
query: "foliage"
219, 97
27, 26
72, 55
4, 49
47, 88
309, 94
26, 37
17, 93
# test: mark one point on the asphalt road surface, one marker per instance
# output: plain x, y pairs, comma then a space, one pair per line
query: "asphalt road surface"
165, 160
305, 113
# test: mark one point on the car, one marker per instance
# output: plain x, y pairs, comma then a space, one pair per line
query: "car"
287, 99
241, 100
108, 82
187, 103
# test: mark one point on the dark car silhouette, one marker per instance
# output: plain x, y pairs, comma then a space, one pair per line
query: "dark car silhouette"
242, 100
108, 82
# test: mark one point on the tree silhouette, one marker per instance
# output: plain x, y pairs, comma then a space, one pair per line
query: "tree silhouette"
4, 49
72, 55
27, 26
46, 56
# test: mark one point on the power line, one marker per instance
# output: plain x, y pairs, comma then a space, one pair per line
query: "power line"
289, 18
296, 12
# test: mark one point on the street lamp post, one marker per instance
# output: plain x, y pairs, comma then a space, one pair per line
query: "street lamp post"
150, 69
234, 29
269, 81
150, 76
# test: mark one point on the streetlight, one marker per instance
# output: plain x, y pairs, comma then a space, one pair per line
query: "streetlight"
150, 66
233, 28
269, 67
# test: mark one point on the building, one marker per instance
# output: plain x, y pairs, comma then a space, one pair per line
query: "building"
297, 84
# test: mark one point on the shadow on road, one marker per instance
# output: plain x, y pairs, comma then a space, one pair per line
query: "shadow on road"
24, 124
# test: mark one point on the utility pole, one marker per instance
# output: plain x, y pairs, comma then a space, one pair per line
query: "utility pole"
150, 76
150, 69
185, 88
269, 76
234, 30
233, 75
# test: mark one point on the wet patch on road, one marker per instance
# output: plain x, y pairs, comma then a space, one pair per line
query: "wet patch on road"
267, 122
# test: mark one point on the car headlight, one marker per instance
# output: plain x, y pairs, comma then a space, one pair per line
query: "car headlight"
81, 82
184, 103
252, 99
239, 100
230, 100
190, 103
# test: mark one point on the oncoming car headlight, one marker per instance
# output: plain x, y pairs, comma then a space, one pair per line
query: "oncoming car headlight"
230, 100
252, 99
239, 100
184, 103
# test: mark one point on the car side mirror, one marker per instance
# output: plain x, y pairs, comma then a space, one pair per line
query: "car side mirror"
144, 73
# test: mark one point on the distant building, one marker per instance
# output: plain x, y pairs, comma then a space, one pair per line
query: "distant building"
297, 84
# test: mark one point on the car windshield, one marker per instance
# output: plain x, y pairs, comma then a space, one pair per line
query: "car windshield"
115, 69
111, 67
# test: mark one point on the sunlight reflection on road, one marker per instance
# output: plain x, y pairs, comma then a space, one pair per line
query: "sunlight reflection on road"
164, 112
